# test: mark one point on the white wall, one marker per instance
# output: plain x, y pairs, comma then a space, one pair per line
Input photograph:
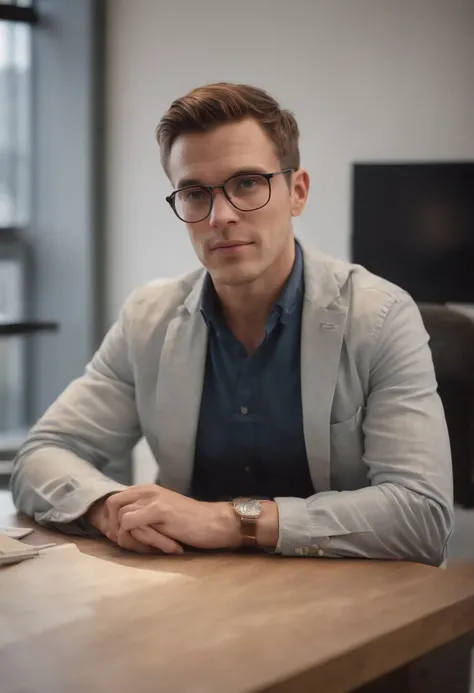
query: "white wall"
366, 79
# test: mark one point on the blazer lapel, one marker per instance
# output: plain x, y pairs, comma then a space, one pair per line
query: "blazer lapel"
180, 383
322, 332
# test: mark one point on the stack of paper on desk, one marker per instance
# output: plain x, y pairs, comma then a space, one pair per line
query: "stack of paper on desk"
14, 551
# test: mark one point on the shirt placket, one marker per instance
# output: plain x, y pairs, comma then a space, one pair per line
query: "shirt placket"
244, 416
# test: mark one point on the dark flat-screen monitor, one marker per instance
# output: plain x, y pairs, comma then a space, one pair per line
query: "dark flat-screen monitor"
413, 223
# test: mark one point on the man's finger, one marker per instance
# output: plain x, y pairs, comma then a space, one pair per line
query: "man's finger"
118, 500
151, 537
126, 541
126, 509
148, 515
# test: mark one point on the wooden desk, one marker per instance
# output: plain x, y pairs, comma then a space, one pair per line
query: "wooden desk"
239, 624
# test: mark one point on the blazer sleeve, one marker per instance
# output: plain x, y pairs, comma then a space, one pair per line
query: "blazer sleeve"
56, 474
407, 511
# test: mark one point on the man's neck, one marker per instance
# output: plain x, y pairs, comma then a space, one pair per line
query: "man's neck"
246, 308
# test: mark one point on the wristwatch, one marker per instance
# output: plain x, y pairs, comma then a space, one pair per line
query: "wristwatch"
248, 510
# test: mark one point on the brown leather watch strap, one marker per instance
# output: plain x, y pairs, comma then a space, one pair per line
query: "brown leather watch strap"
248, 528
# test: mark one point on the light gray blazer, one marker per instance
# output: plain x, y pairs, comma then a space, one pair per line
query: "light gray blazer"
375, 431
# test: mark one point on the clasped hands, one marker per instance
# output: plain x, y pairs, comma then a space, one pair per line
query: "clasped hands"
148, 518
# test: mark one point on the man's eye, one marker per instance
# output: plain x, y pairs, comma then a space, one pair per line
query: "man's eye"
247, 183
194, 195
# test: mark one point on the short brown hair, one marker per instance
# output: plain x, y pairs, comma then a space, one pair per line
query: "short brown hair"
207, 107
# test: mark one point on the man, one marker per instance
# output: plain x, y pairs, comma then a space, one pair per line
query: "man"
299, 385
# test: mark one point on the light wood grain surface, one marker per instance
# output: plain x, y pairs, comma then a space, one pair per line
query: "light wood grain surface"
98, 619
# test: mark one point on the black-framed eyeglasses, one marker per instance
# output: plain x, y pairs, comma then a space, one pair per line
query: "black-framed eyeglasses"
245, 191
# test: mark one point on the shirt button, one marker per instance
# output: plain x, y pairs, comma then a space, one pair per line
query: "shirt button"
247, 470
244, 410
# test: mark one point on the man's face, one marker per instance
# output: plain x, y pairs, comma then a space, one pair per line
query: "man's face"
262, 236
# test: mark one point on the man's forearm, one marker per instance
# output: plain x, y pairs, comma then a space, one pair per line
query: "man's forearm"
57, 487
386, 521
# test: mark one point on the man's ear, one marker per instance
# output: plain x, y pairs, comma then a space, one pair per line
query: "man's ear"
299, 192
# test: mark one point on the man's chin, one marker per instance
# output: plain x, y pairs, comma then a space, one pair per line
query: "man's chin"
234, 276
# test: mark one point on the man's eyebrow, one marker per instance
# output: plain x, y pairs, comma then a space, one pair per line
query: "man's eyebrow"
185, 182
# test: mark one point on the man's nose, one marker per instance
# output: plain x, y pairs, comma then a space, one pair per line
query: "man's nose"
222, 213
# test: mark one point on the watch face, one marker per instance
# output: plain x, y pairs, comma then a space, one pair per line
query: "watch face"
250, 508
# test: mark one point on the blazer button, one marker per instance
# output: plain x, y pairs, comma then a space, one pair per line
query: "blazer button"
244, 410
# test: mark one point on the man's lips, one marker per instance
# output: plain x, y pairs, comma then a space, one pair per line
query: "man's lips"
229, 245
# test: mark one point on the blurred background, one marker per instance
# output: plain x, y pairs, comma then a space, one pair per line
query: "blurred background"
383, 93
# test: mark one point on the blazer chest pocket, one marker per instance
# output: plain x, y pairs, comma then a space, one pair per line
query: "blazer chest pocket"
348, 470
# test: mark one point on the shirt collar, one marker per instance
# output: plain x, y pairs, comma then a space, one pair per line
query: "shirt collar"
290, 297
209, 303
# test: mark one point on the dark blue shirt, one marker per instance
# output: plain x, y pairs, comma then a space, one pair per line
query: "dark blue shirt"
250, 439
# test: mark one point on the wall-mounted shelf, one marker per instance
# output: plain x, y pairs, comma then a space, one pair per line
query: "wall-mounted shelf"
26, 328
